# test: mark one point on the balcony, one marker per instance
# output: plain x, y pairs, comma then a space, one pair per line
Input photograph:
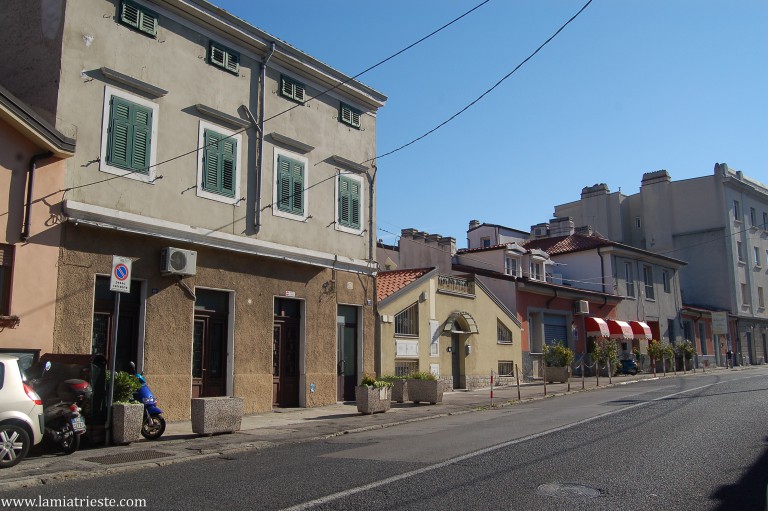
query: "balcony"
455, 285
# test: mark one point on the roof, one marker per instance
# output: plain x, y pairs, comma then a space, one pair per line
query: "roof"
481, 249
390, 282
565, 244
498, 226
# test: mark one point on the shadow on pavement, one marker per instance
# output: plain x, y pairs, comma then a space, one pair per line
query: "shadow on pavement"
749, 492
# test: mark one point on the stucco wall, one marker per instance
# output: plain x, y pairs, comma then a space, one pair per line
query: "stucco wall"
33, 288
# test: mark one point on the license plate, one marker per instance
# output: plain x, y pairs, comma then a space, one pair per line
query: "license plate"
78, 424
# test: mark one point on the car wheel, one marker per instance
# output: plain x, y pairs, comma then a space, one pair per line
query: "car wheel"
14, 445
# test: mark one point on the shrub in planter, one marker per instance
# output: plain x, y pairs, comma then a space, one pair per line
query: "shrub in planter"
373, 396
399, 387
127, 416
558, 358
424, 386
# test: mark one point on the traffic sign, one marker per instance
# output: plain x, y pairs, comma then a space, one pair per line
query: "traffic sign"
120, 278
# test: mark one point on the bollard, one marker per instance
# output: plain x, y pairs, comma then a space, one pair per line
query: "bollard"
582, 373
491, 388
597, 372
517, 378
544, 365
569, 378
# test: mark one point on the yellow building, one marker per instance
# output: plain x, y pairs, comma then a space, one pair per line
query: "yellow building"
451, 326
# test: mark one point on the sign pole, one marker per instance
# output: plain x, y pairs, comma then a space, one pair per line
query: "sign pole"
119, 282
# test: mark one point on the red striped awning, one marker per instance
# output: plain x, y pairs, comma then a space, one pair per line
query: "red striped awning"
620, 329
641, 330
596, 327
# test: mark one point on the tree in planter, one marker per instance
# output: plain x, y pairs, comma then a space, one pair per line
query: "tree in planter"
685, 351
606, 351
669, 352
656, 352
558, 355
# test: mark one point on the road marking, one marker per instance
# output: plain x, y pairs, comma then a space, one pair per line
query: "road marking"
474, 454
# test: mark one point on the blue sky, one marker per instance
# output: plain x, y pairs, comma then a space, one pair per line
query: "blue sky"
631, 86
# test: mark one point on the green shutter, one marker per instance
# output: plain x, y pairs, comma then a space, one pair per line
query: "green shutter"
219, 163
290, 185
139, 18
129, 141
224, 58
292, 89
349, 202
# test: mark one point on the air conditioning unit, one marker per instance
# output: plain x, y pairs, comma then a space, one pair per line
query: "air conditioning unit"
581, 307
175, 261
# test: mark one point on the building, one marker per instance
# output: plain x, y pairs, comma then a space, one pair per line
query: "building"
32, 164
717, 223
233, 170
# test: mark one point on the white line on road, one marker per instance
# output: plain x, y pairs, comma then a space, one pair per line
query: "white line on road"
453, 461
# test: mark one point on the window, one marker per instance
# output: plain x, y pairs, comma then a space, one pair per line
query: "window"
218, 164
406, 367
223, 57
740, 251
6, 277
760, 298
506, 368
510, 266
407, 321
536, 270
138, 17
349, 115
434, 348
290, 185
752, 217
503, 334
485, 242
129, 131
757, 256
665, 280
744, 294
629, 277
703, 337
407, 349
349, 202
648, 281
736, 210
638, 223
291, 89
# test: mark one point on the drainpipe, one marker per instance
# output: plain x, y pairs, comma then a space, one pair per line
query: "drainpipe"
28, 202
602, 271
260, 127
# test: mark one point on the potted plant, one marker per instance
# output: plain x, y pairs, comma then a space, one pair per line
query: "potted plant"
557, 361
655, 352
606, 354
424, 386
127, 416
399, 387
685, 351
373, 395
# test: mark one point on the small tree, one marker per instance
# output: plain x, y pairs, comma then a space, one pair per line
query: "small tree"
685, 351
655, 352
606, 351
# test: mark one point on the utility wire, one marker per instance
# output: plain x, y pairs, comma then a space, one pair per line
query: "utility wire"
529, 57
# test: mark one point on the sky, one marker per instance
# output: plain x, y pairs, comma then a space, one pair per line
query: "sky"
630, 86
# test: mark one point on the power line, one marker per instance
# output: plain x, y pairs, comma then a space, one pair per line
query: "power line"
529, 57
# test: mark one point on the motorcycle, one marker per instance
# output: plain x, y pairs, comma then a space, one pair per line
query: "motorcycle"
154, 422
62, 407
629, 366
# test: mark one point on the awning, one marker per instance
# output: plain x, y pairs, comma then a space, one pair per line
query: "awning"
620, 329
454, 326
641, 330
596, 327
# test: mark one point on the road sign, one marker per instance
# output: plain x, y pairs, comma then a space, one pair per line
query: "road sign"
120, 279
719, 323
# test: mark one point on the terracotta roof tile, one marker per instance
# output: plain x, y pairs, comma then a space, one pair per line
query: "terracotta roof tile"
565, 244
390, 282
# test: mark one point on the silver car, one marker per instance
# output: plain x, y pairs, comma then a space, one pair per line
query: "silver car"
21, 413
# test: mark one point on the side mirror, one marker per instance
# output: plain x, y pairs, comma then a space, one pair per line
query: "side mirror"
132, 367
47, 366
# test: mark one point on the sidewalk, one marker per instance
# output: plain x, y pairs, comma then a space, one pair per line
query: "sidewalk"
279, 427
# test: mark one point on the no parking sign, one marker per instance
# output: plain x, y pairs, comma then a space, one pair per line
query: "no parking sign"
120, 279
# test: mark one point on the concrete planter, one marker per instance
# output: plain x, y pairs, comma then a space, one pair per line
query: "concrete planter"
400, 391
126, 423
430, 391
216, 415
372, 400
556, 374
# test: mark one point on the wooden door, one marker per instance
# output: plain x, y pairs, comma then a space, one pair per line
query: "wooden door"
346, 352
209, 356
285, 362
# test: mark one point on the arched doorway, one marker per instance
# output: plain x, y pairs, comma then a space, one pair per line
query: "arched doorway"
461, 325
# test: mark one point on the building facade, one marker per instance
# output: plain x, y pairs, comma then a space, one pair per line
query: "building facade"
234, 171
717, 223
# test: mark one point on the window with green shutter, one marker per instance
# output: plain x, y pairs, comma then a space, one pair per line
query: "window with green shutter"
223, 57
138, 17
219, 163
349, 115
290, 185
349, 202
129, 141
292, 89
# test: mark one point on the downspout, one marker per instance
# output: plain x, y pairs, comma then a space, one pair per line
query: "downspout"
372, 262
551, 299
260, 128
602, 271
28, 201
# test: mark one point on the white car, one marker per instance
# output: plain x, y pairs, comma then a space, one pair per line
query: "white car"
21, 413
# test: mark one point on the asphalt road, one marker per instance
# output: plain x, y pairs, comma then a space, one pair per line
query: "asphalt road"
687, 443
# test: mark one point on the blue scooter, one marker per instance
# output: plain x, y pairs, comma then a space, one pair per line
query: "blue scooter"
154, 422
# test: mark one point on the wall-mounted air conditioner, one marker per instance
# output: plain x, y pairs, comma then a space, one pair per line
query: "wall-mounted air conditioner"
175, 261
581, 307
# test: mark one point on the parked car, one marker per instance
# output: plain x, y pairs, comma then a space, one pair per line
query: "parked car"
21, 413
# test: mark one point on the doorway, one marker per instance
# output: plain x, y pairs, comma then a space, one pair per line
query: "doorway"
128, 326
209, 343
456, 361
285, 353
346, 352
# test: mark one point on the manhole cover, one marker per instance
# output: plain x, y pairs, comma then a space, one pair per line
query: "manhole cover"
568, 490
128, 457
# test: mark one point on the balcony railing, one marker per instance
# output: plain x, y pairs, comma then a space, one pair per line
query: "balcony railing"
458, 285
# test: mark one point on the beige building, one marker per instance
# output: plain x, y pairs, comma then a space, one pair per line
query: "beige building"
448, 325
233, 170
32, 163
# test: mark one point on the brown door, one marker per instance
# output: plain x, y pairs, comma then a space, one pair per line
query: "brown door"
346, 352
285, 354
209, 357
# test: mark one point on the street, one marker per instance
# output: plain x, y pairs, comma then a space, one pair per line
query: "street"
678, 443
